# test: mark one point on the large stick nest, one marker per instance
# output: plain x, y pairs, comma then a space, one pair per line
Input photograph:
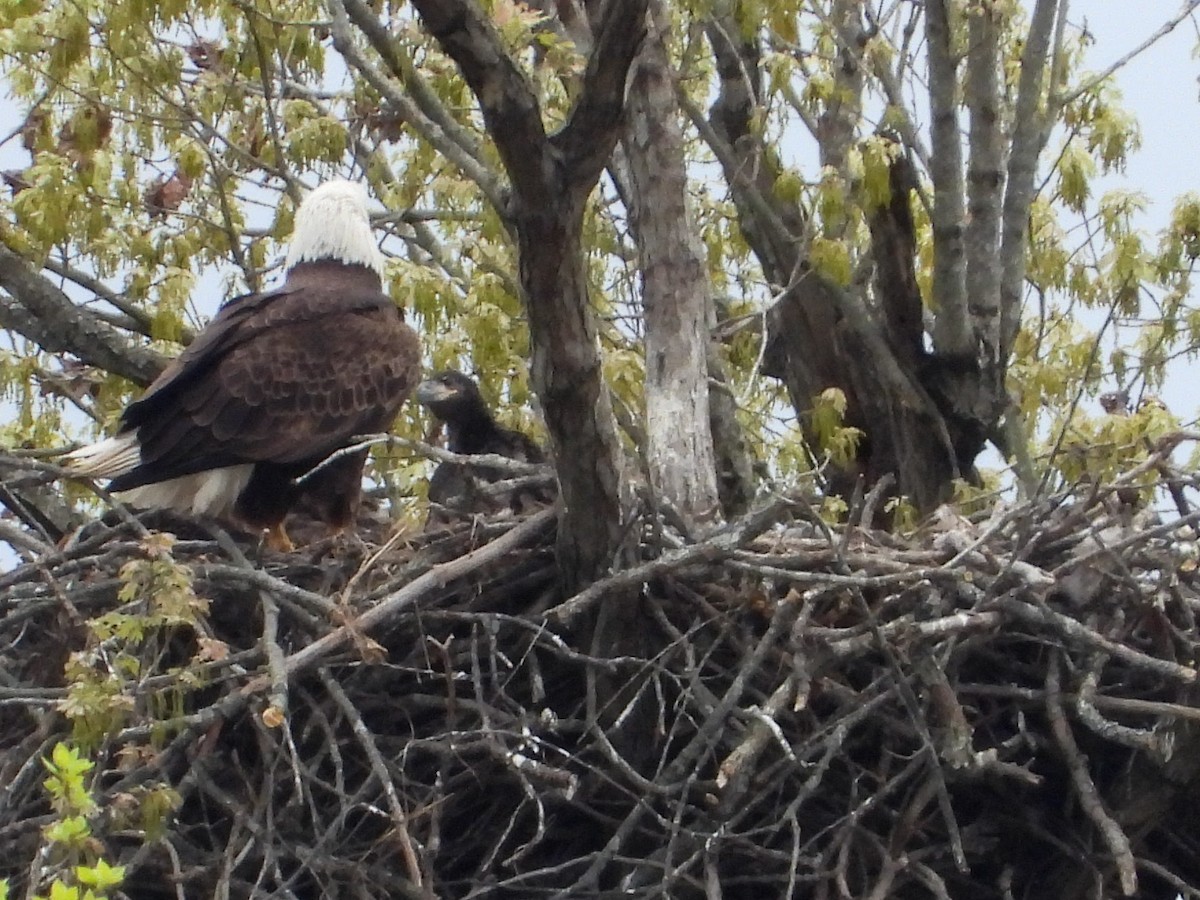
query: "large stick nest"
995, 708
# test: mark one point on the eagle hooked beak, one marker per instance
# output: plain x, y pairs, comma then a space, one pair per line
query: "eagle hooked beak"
434, 391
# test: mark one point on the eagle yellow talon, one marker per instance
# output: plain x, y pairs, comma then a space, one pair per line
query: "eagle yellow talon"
278, 540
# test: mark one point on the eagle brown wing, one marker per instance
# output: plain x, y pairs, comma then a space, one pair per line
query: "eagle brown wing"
286, 377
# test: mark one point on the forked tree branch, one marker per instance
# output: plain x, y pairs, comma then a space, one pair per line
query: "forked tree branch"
39, 310
510, 108
551, 179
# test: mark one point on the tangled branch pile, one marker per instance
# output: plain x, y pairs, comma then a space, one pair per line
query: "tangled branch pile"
1004, 708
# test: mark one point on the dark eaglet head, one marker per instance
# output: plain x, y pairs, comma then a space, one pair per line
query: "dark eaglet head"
449, 394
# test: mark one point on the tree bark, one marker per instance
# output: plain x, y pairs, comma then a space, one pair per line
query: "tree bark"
36, 308
985, 179
952, 326
919, 414
734, 459
676, 294
1030, 132
551, 177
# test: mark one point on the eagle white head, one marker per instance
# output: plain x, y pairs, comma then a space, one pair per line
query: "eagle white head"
332, 224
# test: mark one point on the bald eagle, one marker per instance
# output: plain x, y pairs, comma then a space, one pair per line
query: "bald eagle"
471, 429
238, 426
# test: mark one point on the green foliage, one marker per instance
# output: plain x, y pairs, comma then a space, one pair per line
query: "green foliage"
833, 510
831, 259
877, 158
159, 611
1098, 449
77, 870
905, 517
67, 789
245, 100
832, 437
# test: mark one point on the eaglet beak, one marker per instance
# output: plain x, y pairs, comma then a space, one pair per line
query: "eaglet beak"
432, 391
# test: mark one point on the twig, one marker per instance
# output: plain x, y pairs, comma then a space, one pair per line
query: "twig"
380, 769
408, 596
1085, 788
1073, 629
717, 547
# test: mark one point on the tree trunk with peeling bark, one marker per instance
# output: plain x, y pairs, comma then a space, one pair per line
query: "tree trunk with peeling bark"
924, 396
676, 295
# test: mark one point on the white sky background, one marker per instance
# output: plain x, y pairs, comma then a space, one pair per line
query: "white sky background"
1160, 87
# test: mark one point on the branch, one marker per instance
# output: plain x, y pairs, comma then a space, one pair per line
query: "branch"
985, 176
838, 122
387, 609
550, 186
587, 140
1085, 787
1077, 631
41, 312
510, 108
1185, 12
721, 545
134, 318
676, 291
1030, 132
951, 333
419, 107
894, 250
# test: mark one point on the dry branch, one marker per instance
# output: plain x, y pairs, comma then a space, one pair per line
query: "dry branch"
817, 711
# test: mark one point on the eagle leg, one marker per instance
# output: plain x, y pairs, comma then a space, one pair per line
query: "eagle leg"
278, 540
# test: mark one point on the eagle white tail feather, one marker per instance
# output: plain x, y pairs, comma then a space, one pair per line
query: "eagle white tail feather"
107, 458
211, 493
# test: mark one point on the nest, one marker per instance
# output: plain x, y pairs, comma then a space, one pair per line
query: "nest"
994, 708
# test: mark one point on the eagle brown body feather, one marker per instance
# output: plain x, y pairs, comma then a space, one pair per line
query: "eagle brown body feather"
243, 423
281, 380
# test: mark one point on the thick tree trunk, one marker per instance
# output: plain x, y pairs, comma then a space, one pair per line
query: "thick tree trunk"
734, 459
567, 375
675, 289
552, 176
923, 417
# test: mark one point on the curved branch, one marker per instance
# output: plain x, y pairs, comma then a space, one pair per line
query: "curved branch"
602, 100
131, 317
41, 312
448, 144
510, 108
425, 100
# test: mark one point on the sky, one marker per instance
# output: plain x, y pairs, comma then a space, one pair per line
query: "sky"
1161, 87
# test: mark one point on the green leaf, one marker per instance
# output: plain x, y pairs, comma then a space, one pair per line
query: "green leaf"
70, 831
877, 158
1075, 172
831, 259
101, 875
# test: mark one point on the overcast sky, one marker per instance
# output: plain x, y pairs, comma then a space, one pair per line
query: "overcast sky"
1161, 89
